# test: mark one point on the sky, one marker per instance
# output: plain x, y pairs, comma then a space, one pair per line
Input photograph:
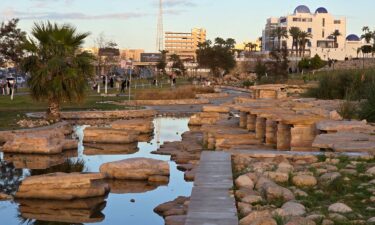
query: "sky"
133, 23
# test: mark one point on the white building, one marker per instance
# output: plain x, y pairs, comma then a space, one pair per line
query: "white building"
321, 24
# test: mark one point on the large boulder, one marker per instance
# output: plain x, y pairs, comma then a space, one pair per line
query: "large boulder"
144, 126
255, 215
244, 181
62, 186
135, 169
109, 136
39, 143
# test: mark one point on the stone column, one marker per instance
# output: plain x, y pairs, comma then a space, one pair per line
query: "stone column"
243, 119
260, 128
271, 132
251, 121
302, 137
283, 136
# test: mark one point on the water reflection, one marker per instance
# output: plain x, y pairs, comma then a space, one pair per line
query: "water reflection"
126, 187
76, 211
37, 161
10, 178
119, 208
110, 149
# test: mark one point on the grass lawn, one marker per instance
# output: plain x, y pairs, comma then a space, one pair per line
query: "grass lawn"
13, 111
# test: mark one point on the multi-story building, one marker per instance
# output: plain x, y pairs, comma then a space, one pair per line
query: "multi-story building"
184, 44
133, 54
321, 25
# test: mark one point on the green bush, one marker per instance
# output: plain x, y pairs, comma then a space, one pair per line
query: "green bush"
248, 83
341, 84
311, 64
367, 107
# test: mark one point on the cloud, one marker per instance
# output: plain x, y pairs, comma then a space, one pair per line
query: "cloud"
70, 16
175, 3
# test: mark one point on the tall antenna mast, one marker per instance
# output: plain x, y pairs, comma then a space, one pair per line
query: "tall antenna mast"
160, 32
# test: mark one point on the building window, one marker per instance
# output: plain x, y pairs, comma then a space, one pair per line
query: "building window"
296, 19
337, 22
309, 44
309, 30
324, 22
323, 34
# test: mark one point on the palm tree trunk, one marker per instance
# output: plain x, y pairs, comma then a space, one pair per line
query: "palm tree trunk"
53, 111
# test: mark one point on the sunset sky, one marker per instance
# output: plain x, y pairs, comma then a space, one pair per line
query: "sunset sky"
132, 23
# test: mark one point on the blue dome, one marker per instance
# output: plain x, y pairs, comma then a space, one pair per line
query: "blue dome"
302, 9
352, 37
321, 10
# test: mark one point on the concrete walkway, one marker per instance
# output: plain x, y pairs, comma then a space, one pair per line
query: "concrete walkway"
210, 202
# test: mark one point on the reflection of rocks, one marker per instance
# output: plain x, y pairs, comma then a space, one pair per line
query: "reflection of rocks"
126, 186
110, 149
109, 136
144, 126
37, 161
75, 211
135, 169
62, 186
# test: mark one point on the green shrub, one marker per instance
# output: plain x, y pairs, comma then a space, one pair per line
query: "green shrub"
367, 107
343, 84
248, 83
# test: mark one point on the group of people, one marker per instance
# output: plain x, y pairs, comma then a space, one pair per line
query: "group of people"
7, 86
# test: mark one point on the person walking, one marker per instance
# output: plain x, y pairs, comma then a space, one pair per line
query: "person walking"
111, 82
123, 84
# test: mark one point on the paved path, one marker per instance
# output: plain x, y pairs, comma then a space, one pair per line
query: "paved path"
210, 202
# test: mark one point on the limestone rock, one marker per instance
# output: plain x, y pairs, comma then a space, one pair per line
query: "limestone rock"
273, 191
279, 177
339, 208
371, 171
284, 167
304, 181
144, 126
244, 208
109, 136
255, 215
135, 169
5, 197
327, 178
244, 181
293, 209
300, 221
62, 186
38, 143
251, 199
264, 221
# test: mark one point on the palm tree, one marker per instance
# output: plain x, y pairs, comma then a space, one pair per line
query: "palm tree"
59, 71
336, 34
303, 39
294, 32
280, 33
260, 39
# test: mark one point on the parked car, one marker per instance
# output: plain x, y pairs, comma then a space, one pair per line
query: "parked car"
20, 80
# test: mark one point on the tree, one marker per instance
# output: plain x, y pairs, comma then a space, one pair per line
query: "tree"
163, 61
335, 35
260, 39
11, 42
260, 69
303, 40
294, 32
177, 64
217, 56
279, 65
59, 71
280, 33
